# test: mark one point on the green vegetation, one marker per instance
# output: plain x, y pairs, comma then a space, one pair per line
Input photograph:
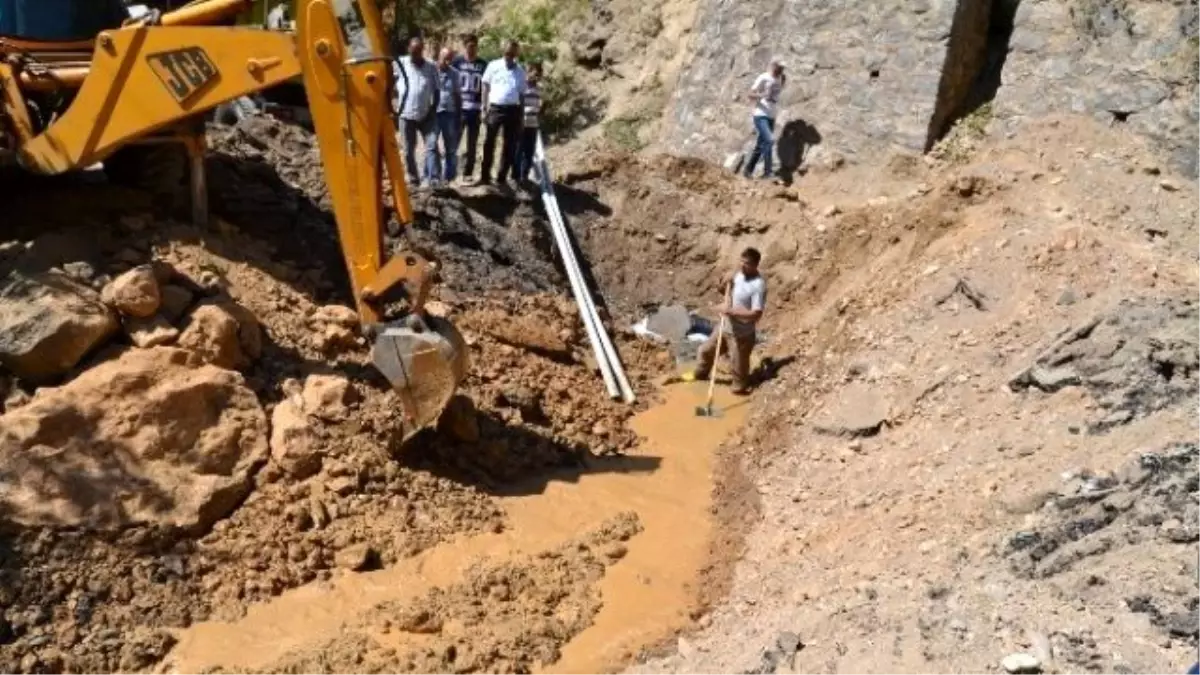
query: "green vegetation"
959, 144
625, 132
566, 105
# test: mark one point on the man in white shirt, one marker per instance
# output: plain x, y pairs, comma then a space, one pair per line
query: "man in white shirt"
765, 95
417, 91
503, 87
747, 298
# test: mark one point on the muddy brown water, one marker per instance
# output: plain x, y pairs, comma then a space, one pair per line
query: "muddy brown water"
646, 595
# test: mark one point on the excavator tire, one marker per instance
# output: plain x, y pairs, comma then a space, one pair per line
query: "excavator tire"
424, 359
160, 169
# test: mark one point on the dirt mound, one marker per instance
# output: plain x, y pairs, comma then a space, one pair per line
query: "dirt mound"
275, 187
1136, 360
540, 399
150, 437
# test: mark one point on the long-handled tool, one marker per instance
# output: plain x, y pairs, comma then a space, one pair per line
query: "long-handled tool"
707, 410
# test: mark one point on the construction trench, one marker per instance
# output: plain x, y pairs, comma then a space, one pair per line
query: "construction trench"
323, 543
966, 439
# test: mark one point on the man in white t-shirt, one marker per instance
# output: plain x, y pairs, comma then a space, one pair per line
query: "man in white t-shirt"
503, 87
747, 299
765, 95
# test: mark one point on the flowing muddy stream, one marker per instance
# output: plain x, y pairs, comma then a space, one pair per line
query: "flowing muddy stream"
646, 595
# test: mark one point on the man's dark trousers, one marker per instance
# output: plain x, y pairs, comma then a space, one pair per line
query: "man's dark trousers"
469, 129
506, 120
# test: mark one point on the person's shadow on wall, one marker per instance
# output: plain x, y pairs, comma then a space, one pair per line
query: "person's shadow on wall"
795, 140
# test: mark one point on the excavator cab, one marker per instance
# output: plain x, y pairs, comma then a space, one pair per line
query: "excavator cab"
150, 80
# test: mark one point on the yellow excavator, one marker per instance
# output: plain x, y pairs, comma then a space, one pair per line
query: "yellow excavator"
83, 82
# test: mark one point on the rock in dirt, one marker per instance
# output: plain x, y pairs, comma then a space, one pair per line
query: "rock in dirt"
48, 322
671, 322
80, 271
356, 558
335, 338
857, 412
295, 446
249, 331
152, 332
459, 420
338, 315
782, 653
1021, 662
212, 333
175, 302
327, 396
154, 436
135, 293
525, 400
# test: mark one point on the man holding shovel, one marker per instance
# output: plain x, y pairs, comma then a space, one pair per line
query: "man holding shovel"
745, 297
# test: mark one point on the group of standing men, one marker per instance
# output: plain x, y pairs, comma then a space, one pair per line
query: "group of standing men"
438, 102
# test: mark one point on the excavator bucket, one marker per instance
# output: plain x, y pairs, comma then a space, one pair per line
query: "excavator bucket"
424, 359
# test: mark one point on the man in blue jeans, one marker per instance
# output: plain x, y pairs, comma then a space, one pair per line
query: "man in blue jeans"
417, 102
765, 95
449, 104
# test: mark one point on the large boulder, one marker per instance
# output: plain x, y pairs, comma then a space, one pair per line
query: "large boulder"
155, 436
48, 322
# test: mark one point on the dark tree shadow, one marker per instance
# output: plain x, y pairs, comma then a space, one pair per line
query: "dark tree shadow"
795, 141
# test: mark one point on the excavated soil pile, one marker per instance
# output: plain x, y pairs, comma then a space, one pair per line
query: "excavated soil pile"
121, 523
272, 185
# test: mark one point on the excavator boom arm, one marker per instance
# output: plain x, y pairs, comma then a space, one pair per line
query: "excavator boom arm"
150, 76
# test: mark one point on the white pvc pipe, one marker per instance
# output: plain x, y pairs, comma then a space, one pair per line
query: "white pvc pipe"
579, 291
593, 327
571, 263
605, 341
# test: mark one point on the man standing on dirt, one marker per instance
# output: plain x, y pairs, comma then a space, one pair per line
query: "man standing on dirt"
449, 104
417, 88
747, 298
470, 69
765, 94
503, 86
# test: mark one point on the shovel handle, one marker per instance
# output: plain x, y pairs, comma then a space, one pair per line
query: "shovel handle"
712, 376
